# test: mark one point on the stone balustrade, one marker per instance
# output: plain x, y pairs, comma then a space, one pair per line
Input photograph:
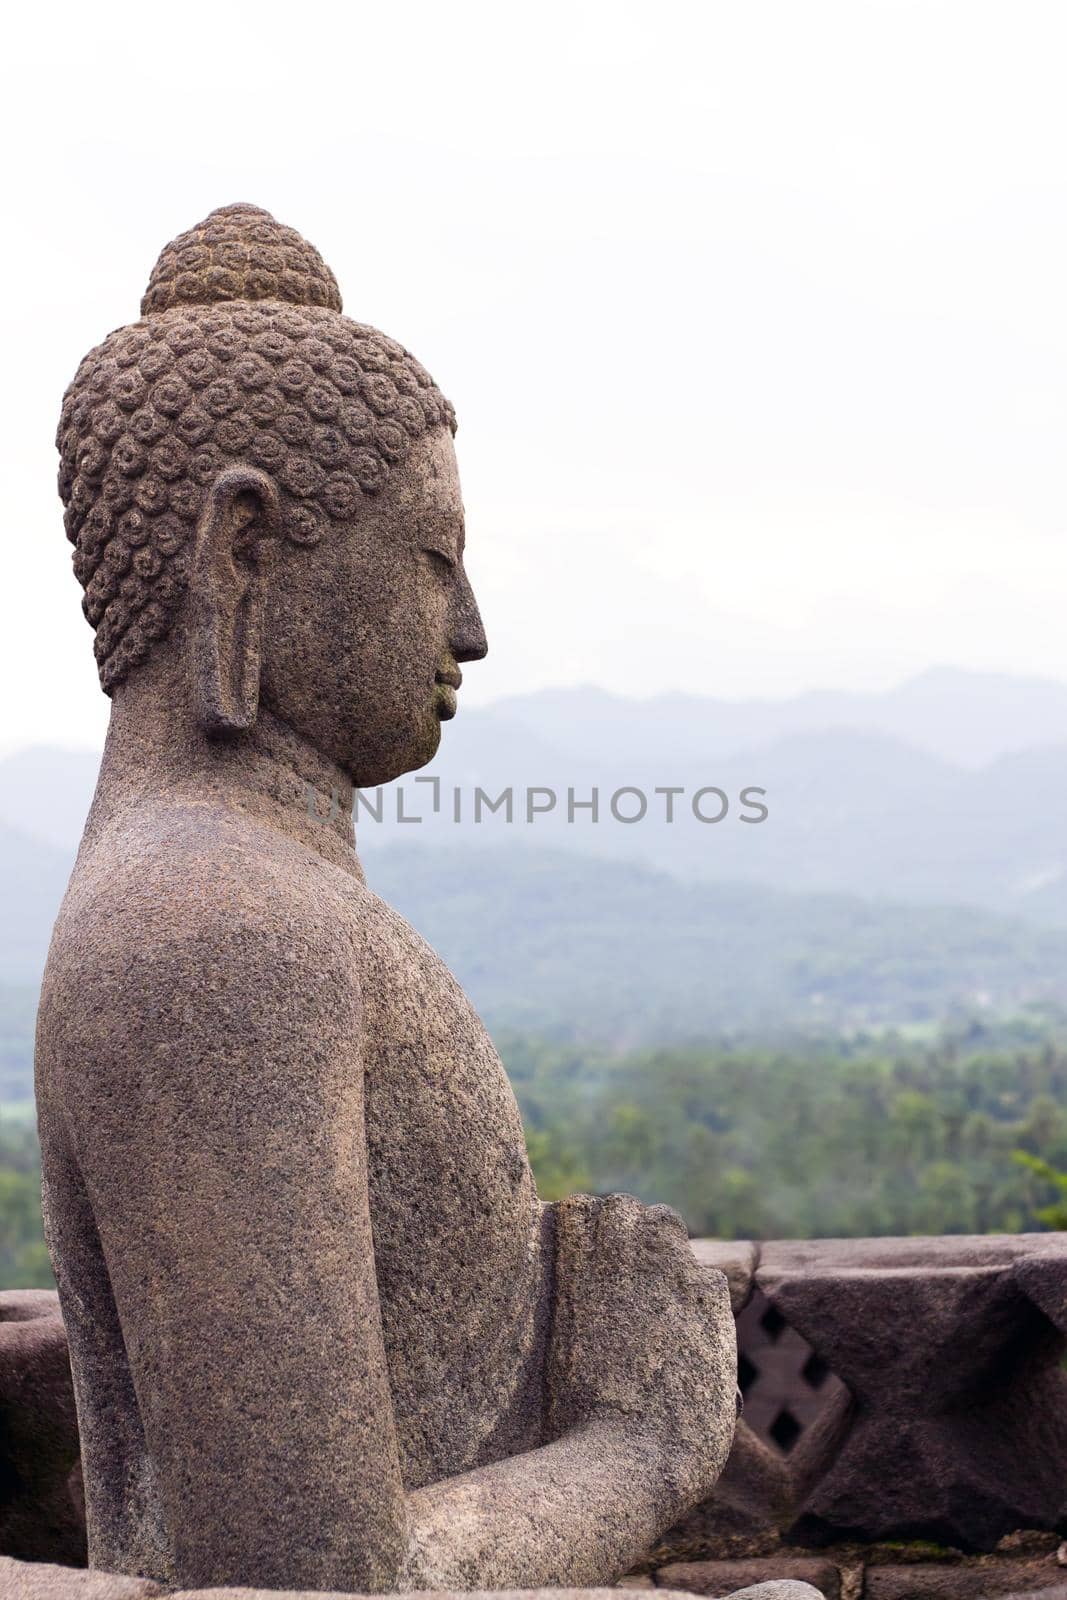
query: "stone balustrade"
906, 1408
904, 1434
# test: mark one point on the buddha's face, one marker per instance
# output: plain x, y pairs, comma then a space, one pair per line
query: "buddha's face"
365, 633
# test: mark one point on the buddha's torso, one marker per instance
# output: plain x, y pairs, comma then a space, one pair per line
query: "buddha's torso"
459, 1244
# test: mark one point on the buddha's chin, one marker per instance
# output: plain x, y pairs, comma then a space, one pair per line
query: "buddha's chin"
423, 748
385, 762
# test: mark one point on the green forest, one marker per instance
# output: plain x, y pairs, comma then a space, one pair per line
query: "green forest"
23, 1258
810, 1138
959, 1131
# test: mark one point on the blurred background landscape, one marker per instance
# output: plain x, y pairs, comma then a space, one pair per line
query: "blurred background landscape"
849, 1018
753, 318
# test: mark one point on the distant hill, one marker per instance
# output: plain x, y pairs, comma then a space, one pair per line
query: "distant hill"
849, 813
46, 791
33, 879
18, 1009
869, 795
562, 944
875, 798
963, 718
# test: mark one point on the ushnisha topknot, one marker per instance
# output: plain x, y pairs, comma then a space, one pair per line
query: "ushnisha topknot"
241, 355
239, 252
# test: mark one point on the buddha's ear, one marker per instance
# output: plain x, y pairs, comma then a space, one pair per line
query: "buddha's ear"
236, 543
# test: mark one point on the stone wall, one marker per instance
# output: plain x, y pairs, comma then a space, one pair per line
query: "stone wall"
905, 1424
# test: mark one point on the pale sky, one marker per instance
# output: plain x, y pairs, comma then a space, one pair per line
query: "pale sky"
754, 314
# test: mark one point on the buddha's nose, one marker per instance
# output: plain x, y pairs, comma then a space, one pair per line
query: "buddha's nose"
468, 640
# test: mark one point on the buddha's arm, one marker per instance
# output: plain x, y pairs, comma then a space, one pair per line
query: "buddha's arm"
641, 1389
228, 1171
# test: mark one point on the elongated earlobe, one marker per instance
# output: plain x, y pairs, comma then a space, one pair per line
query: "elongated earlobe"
236, 541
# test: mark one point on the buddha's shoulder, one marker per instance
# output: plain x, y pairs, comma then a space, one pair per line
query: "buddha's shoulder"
174, 871
171, 875
408, 993
388, 944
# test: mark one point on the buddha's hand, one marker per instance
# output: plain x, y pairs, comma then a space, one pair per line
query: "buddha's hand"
641, 1372
644, 1335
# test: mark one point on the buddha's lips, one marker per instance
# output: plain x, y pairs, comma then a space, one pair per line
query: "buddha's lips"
446, 682
446, 702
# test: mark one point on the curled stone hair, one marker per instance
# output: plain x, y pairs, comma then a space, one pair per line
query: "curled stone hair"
241, 355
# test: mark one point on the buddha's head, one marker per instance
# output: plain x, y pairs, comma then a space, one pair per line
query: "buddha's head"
264, 504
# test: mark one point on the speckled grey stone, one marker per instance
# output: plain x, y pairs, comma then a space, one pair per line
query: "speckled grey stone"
40, 1580
323, 1333
951, 1350
737, 1258
777, 1589
747, 1508
41, 1512
22, 1581
981, 1578
754, 1576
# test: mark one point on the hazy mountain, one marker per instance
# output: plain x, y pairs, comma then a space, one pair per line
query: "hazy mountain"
964, 718
858, 800
18, 1010
848, 812
33, 878
622, 953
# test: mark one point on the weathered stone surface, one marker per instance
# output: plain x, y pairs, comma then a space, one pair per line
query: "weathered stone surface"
736, 1258
727, 1577
819, 1446
787, 1388
962, 1580
753, 1499
958, 1433
39, 1580
777, 1589
770, 1591
1030, 1542
791, 1258
322, 1332
745, 1512
41, 1517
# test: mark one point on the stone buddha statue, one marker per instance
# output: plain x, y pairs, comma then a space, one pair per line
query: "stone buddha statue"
323, 1333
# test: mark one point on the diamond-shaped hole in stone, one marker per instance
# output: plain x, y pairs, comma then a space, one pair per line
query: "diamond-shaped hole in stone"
785, 1430
772, 1322
815, 1371
786, 1384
